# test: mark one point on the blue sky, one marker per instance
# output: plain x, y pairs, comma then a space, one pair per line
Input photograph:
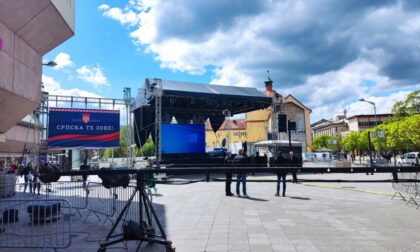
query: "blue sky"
102, 43
326, 53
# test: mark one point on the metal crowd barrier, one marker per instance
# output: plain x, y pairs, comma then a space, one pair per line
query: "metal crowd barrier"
7, 185
74, 192
122, 196
101, 201
35, 223
110, 202
408, 191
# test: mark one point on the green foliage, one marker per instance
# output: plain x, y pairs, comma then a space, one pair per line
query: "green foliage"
410, 106
356, 140
400, 135
320, 142
351, 141
402, 132
334, 143
148, 148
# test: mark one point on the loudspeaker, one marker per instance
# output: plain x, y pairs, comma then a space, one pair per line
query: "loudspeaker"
292, 125
114, 180
282, 122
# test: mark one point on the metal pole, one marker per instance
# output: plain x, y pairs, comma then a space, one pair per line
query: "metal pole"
274, 136
377, 132
370, 150
290, 135
228, 130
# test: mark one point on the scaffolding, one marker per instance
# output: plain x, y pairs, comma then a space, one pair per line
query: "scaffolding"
158, 118
50, 100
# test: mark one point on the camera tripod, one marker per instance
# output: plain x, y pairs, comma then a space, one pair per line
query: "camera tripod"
142, 231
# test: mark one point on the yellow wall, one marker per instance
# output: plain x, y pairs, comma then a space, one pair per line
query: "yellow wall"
256, 125
215, 140
256, 131
258, 115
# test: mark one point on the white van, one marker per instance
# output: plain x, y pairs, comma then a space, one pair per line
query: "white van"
409, 159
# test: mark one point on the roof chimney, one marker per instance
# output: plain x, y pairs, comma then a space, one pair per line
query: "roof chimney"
268, 85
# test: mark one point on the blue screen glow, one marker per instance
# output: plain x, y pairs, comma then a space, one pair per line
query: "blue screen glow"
183, 138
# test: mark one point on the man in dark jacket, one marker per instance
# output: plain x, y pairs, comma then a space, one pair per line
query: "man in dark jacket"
294, 161
281, 176
228, 183
238, 160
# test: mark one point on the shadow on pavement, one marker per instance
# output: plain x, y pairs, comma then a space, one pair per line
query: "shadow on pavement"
255, 199
299, 198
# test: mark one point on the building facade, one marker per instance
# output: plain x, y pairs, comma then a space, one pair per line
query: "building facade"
28, 30
264, 124
336, 127
342, 125
362, 122
233, 130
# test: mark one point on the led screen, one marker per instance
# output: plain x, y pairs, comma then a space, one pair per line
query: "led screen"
182, 138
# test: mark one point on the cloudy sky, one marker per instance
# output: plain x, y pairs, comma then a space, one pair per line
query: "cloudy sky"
326, 53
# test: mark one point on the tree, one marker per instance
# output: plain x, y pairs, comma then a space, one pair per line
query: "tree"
321, 141
148, 149
123, 150
335, 143
410, 106
411, 131
351, 141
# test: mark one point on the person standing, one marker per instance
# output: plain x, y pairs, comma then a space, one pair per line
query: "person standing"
2, 166
84, 167
240, 159
36, 181
281, 177
293, 161
27, 175
228, 183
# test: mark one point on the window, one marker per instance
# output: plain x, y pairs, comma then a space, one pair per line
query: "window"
368, 124
239, 134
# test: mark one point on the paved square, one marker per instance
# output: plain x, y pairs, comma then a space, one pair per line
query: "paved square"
313, 217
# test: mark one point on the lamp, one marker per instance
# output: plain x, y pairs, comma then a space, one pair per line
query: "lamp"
50, 64
376, 122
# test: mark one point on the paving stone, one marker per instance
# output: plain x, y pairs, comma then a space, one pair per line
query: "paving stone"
330, 220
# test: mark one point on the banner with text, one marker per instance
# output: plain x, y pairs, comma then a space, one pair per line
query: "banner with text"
83, 128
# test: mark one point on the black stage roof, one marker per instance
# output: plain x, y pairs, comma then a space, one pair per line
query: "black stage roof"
190, 101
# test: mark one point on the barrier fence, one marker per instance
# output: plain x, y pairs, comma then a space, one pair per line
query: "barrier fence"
35, 223
101, 201
41, 218
408, 191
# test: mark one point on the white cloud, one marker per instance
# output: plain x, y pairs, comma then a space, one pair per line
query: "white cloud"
383, 104
230, 76
92, 75
327, 55
125, 17
104, 7
63, 60
54, 88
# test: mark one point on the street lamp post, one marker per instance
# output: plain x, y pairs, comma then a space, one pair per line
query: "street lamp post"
43, 116
376, 123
